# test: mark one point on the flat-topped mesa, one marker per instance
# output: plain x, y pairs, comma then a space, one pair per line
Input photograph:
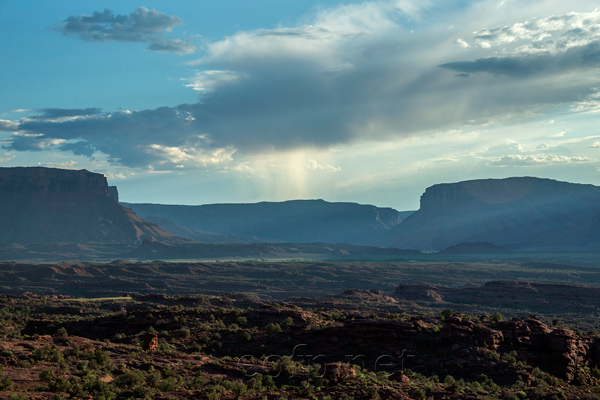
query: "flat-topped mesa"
514, 213
29, 180
49, 205
497, 191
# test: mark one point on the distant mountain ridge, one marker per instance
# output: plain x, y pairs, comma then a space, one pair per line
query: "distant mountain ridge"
48, 205
298, 221
520, 212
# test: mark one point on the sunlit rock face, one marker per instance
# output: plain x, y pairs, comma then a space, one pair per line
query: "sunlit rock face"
517, 213
46, 205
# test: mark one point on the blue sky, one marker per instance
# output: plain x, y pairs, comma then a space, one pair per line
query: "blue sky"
237, 101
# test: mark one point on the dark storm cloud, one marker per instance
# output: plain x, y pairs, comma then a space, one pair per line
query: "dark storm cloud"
142, 25
126, 137
80, 148
579, 57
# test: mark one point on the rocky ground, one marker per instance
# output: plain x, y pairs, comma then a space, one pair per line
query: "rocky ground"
358, 345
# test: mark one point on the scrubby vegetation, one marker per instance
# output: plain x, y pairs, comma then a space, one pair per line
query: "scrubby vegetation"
240, 347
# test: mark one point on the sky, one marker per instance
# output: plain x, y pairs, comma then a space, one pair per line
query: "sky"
233, 101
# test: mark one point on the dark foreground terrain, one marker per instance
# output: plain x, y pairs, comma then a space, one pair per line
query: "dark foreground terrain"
443, 330
359, 345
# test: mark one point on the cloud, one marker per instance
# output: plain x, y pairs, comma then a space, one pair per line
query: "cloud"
7, 157
574, 58
172, 46
62, 165
501, 149
314, 165
536, 160
209, 81
61, 114
142, 25
8, 126
541, 35
33, 143
345, 75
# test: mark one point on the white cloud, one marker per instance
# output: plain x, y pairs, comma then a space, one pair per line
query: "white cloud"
178, 157
501, 149
211, 80
62, 165
314, 165
536, 160
7, 157
8, 126
539, 35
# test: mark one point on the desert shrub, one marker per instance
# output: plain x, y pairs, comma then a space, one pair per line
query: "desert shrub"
268, 383
153, 378
169, 384
255, 383
129, 379
7, 353
520, 395
5, 382
372, 392
494, 355
272, 328
49, 353
418, 394
559, 395
285, 366
238, 388
184, 332
287, 322
46, 375
496, 317
60, 385
17, 396
101, 357
61, 332
139, 393
198, 381
219, 325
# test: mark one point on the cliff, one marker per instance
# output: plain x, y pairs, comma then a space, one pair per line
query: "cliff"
516, 213
47, 205
298, 221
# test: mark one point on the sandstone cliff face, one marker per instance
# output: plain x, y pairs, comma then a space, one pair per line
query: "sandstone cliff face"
515, 213
47, 205
298, 221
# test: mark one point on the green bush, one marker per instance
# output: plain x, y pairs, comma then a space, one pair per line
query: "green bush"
5, 382
130, 379
273, 328
496, 317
